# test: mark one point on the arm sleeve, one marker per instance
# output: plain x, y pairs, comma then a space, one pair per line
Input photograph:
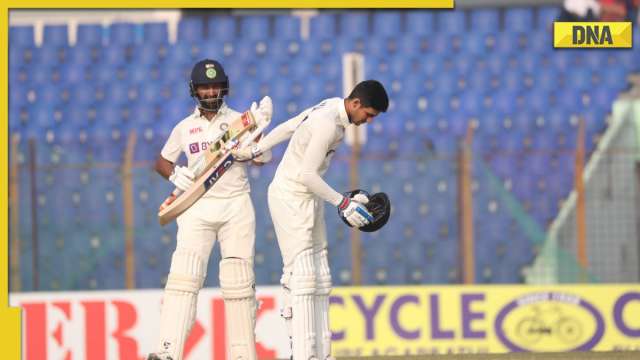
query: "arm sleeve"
314, 155
172, 148
282, 132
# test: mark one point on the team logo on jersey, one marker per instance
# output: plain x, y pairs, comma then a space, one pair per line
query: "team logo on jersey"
224, 126
194, 147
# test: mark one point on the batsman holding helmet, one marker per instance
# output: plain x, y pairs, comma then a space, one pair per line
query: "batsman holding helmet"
296, 202
224, 212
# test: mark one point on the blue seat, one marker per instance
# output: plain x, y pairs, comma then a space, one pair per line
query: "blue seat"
476, 43
485, 20
387, 23
182, 54
540, 42
115, 54
149, 53
51, 54
538, 101
445, 44
563, 60
81, 54
55, 35
21, 36
280, 49
124, 33
451, 22
546, 16
191, 30
507, 43
354, 25
90, 34
156, 33
221, 28
518, 19
323, 26
578, 79
513, 80
420, 22
616, 79
287, 27
20, 55
479, 81
447, 83
254, 27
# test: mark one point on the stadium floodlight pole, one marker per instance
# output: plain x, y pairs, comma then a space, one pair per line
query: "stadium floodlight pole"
353, 73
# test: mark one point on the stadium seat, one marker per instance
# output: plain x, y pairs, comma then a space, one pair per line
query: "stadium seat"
546, 16
354, 25
124, 34
485, 21
420, 22
51, 54
254, 27
156, 33
518, 19
221, 28
191, 30
115, 54
81, 55
21, 36
55, 35
90, 34
323, 26
387, 23
287, 27
451, 22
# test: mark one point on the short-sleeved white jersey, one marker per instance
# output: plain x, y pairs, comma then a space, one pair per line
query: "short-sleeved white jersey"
191, 136
317, 132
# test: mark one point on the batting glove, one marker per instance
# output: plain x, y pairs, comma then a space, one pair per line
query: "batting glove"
182, 177
246, 153
355, 212
262, 113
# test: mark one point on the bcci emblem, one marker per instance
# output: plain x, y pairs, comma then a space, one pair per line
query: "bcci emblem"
210, 73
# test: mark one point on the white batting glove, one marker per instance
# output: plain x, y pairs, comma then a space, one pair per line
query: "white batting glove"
355, 212
182, 177
246, 153
361, 198
262, 113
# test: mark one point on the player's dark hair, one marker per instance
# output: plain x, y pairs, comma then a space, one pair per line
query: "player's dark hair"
371, 94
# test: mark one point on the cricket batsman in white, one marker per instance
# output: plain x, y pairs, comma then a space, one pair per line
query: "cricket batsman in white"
224, 213
296, 202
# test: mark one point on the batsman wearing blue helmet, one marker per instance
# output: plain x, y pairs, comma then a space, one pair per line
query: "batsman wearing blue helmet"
225, 213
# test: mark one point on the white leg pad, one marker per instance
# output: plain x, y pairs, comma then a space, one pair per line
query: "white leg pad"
180, 301
323, 289
303, 284
286, 312
237, 282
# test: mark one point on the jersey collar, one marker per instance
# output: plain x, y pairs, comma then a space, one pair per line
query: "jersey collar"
342, 114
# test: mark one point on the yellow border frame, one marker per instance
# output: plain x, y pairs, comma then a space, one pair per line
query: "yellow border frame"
10, 321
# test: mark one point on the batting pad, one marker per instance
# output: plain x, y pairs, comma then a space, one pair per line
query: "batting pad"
180, 299
321, 309
303, 288
237, 282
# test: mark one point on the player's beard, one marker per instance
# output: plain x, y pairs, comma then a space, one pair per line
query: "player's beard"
210, 104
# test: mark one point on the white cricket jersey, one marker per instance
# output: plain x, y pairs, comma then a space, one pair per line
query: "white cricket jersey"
317, 132
191, 136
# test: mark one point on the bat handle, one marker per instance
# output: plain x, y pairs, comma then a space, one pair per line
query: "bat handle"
176, 192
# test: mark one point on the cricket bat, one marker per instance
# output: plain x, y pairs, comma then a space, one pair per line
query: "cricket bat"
211, 165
